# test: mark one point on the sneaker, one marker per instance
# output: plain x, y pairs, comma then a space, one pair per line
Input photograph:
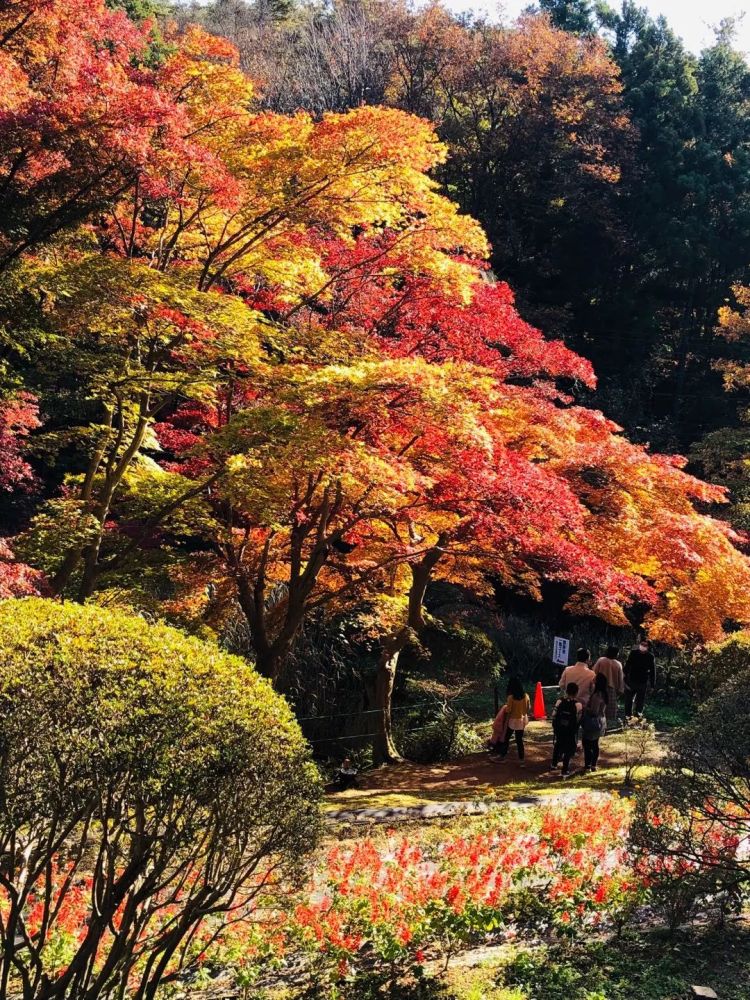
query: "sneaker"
593, 768
553, 767
568, 774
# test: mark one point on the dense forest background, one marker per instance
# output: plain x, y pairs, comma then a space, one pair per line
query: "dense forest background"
609, 166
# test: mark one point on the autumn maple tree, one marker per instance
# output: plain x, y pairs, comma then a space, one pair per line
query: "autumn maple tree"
81, 119
18, 418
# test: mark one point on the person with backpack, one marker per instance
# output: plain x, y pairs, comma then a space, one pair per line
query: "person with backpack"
565, 718
611, 667
518, 707
640, 672
594, 722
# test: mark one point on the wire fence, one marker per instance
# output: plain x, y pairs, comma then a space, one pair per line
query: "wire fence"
308, 723
477, 707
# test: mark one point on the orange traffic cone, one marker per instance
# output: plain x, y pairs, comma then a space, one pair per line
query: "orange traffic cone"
540, 712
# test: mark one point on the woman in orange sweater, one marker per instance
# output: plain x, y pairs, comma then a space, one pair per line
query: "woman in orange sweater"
518, 706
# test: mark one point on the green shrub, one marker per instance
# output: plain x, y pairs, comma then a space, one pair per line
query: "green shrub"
638, 743
147, 773
460, 651
718, 662
445, 734
645, 967
692, 821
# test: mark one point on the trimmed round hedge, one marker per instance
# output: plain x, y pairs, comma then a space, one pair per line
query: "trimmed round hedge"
135, 754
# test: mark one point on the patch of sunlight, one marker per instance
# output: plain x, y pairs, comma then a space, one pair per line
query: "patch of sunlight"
473, 977
379, 800
606, 779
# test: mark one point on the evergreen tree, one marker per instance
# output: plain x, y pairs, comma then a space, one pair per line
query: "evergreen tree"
576, 16
138, 10
688, 206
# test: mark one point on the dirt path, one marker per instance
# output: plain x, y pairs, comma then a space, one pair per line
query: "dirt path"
480, 777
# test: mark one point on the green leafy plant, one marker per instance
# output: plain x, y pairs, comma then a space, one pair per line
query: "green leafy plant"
445, 735
693, 815
639, 740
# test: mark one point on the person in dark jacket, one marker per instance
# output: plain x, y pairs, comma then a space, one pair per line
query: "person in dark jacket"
640, 673
566, 716
346, 776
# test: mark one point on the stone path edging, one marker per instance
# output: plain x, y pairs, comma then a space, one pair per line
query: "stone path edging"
448, 810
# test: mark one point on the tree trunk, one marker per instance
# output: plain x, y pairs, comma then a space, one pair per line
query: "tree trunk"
385, 750
420, 577
89, 554
384, 747
269, 656
65, 571
415, 616
90, 559
268, 664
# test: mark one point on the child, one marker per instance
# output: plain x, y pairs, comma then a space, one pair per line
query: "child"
346, 776
594, 722
518, 706
499, 730
565, 718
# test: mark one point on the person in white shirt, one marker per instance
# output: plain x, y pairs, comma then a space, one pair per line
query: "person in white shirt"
582, 675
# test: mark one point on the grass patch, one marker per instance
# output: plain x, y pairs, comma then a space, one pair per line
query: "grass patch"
649, 966
669, 712
653, 966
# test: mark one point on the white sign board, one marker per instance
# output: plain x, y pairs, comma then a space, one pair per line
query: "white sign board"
561, 651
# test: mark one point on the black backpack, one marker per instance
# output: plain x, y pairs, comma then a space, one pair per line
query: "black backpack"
566, 716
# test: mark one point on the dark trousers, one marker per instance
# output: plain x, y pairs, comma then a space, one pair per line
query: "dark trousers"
345, 780
564, 748
591, 752
635, 693
503, 747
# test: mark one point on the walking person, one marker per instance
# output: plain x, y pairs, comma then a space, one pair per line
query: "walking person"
565, 718
611, 668
594, 722
640, 673
580, 674
518, 707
